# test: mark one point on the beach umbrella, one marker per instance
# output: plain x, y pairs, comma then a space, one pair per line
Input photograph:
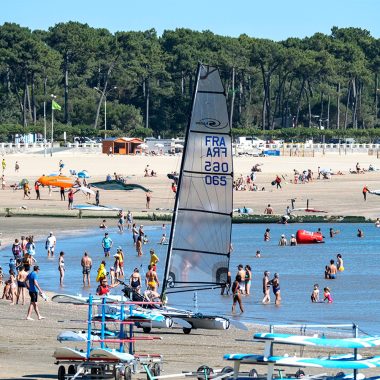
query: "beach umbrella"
142, 146
159, 145
23, 182
83, 174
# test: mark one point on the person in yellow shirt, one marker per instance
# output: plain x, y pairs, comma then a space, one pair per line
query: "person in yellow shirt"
153, 260
121, 260
102, 272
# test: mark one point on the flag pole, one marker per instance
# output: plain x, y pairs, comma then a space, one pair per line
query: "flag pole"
52, 125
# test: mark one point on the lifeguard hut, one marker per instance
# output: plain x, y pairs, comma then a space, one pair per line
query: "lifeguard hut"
121, 145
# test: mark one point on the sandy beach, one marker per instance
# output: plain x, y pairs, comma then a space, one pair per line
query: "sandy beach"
340, 195
26, 347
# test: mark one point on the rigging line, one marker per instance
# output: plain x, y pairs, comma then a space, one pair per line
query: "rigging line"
205, 211
200, 251
211, 132
168, 291
211, 92
207, 173
199, 282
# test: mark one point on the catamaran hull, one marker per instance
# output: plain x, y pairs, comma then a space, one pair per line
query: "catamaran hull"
208, 323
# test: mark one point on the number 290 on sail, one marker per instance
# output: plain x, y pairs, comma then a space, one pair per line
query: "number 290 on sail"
215, 147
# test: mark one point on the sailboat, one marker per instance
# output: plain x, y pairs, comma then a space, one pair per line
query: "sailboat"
200, 239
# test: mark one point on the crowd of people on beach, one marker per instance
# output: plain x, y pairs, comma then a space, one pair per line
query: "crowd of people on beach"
23, 276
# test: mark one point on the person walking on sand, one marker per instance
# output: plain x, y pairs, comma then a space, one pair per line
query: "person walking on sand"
236, 294
148, 198
37, 190
278, 182
275, 282
34, 288
3, 165
17, 167
365, 191
97, 198
26, 190
86, 263
266, 288
70, 196
61, 267
62, 192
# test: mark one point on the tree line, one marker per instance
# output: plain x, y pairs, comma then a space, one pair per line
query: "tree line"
318, 85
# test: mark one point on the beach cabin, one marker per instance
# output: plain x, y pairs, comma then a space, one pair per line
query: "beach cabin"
122, 145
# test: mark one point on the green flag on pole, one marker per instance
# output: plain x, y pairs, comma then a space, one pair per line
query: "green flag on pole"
55, 105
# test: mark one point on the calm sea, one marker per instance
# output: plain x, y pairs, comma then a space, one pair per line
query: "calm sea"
355, 291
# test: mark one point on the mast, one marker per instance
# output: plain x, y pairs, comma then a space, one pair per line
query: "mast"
176, 202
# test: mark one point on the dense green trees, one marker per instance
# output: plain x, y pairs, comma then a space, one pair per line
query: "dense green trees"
329, 81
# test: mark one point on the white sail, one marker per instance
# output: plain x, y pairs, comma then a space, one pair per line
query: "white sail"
199, 246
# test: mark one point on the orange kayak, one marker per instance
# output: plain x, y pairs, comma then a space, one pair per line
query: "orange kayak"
57, 181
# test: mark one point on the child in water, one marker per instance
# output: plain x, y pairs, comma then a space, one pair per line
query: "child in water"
327, 295
339, 262
315, 295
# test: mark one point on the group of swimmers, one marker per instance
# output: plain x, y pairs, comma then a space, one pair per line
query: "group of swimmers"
242, 284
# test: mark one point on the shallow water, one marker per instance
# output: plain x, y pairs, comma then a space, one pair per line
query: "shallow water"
355, 291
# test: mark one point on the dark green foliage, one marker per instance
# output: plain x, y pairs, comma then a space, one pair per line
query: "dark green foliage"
329, 81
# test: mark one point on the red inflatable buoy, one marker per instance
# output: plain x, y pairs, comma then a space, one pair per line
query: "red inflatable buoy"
307, 237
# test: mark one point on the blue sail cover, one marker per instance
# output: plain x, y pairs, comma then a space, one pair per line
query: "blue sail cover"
198, 252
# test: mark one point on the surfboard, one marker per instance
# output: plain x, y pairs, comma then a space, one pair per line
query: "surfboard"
66, 353
286, 361
302, 340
